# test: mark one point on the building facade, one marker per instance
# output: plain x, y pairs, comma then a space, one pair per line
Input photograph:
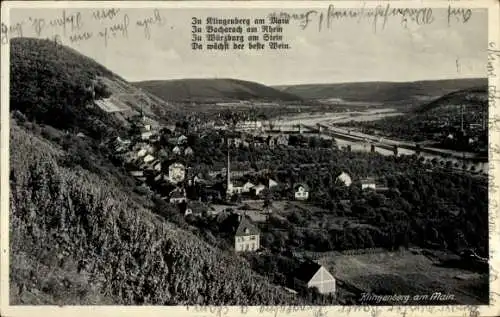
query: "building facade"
345, 179
247, 237
323, 281
177, 196
368, 183
249, 125
301, 192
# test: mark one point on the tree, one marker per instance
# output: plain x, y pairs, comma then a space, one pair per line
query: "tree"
236, 198
314, 142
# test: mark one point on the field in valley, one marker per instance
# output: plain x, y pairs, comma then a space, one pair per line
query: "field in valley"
404, 272
337, 117
408, 273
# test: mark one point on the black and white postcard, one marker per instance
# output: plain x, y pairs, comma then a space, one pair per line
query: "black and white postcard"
271, 158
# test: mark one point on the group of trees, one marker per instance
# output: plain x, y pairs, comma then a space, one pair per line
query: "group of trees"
436, 209
211, 149
56, 86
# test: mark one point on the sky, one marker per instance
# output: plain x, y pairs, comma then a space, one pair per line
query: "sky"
349, 51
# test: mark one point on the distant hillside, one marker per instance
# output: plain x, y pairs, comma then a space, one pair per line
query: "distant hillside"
213, 90
475, 98
56, 85
390, 92
434, 121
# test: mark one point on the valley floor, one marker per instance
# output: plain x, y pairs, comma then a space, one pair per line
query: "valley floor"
405, 272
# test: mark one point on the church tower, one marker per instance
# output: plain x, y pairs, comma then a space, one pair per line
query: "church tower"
229, 185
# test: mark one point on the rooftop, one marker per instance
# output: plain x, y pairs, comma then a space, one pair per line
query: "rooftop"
368, 180
296, 187
238, 183
306, 270
246, 227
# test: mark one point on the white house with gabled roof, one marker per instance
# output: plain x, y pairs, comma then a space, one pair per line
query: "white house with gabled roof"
301, 191
345, 179
312, 274
176, 150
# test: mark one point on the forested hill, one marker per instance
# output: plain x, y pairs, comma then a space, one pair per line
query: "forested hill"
475, 98
56, 85
393, 92
213, 90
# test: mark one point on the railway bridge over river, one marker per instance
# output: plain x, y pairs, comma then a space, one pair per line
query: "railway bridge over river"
396, 146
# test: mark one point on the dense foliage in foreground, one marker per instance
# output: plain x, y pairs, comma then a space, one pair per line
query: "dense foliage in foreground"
56, 85
77, 238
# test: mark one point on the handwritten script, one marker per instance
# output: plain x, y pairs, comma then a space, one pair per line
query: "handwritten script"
76, 26
493, 94
221, 311
319, 311
378, 16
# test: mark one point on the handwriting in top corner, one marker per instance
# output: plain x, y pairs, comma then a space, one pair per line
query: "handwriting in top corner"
378, 16
103, 14
74, 20
146, 23
115, 30
460, 14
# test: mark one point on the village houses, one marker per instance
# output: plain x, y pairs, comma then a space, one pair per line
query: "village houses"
148, 158
345, 179
177, 150
368, 182
154, 165
235, 187
301, 192
272, 183
188, 151
121, 145
147, 134
181, 140
177, 196
257, 190
249, 125
247, 187
138, 175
